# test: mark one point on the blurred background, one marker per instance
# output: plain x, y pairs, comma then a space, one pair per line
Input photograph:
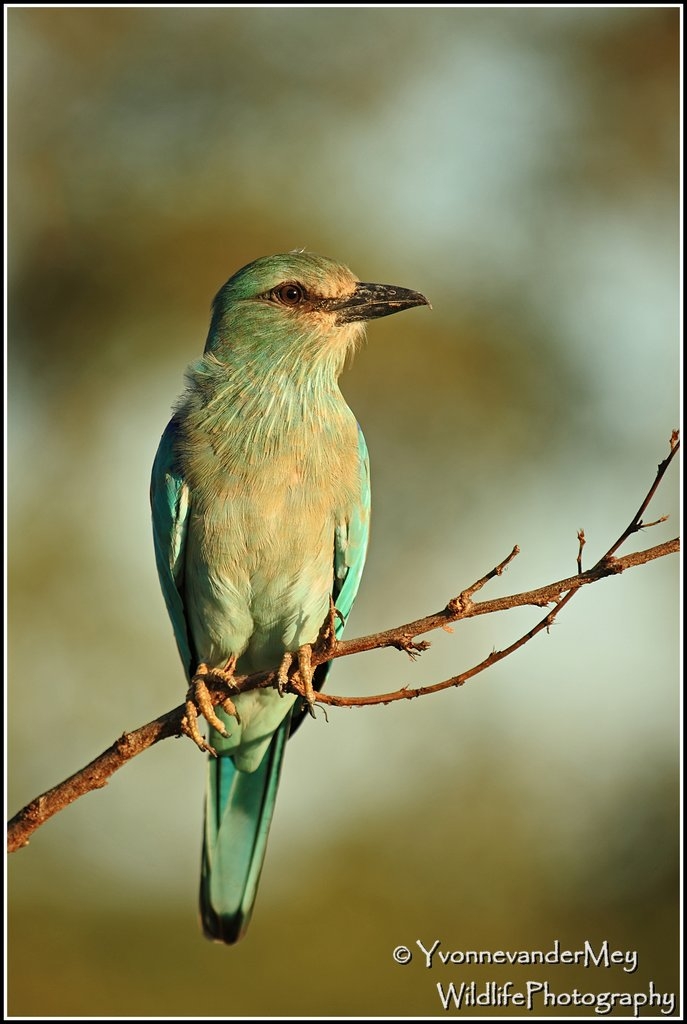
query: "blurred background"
518, 166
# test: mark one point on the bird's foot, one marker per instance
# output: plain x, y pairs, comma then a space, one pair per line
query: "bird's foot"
198, 699
283, 673
326, 641
305, 670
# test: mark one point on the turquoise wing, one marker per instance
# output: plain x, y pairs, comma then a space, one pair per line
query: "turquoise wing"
350, 543
170, 503
350, 550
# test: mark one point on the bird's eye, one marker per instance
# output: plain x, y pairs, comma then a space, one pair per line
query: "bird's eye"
289, 294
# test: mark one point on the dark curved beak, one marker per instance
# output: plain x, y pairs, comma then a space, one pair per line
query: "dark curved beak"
370, 301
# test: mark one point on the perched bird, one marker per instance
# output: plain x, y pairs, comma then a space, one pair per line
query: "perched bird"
260, 499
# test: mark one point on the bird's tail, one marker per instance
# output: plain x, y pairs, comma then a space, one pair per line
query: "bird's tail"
238, 814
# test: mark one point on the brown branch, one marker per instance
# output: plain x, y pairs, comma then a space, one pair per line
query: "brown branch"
462, 607
542, 596
96, 774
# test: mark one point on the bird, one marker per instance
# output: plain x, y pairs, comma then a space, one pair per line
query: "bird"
260, 496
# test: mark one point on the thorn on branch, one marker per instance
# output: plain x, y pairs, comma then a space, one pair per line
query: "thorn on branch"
411, 648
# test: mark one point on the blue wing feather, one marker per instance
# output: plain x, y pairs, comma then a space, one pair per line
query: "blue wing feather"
350, 546
170, 502
350, 550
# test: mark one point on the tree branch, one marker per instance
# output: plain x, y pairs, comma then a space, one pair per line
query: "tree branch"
173, 723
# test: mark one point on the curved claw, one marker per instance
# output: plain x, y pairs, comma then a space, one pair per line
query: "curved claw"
326, 641
230, 709
189, 727
305, 670
198, 699
222, 675
283, 673
199, 695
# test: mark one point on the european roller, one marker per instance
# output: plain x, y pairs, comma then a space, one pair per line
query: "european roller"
261, 499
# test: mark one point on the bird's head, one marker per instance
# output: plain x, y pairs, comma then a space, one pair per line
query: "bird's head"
301, 307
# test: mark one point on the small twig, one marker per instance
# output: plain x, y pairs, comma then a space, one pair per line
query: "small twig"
610, 567
581, 539
636, 522
606, 565
463, 601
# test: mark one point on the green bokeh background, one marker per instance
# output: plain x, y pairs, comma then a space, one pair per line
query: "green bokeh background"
518, 166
